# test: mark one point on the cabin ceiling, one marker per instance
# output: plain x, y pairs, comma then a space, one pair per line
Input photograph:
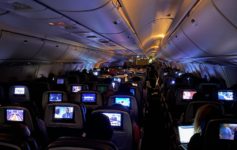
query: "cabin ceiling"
118, 29
99, 31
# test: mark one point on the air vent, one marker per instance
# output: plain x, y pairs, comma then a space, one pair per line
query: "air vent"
91, 36
103, 41
70, 27
19, 6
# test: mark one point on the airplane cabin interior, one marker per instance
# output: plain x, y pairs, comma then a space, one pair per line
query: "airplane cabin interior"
118, 74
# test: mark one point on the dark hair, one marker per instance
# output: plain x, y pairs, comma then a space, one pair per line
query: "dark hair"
98, 127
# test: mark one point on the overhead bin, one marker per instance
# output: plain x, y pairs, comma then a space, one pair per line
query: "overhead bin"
18, 46
105, 19
210, 30
71, 54
187, 48
182, 11
106, 29
170, 52
208, 34
76, 5
179, 47
51, 51
228, 9
29, 9
76, 53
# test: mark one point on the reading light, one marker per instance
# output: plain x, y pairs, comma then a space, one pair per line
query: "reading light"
150, 60
59, 24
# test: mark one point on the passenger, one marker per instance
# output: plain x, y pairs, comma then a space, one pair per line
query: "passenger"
124, 89
107, 94
152, 76
98, 127
203, 115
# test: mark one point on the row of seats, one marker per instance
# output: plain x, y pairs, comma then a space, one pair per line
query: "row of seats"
60, 125
20, 94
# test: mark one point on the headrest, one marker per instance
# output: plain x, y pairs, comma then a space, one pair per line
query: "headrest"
98, 127
66, 115
81, 144
221, 133
91, 99
194, 105
127, 101
120, 120
75, 88
16, 115
185, 95
53, 97
102, 88
19, 93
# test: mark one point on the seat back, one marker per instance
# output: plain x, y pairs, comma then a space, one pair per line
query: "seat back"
2, 95
16, 137
184, 96
63, 119
73, 143
221, 134
75, 88
125, 100
193, 106
53, 97
16, 114
122, 124
91, 99
19, 93
54, 115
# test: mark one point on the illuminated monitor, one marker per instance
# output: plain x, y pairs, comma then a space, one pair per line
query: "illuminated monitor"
117, 80
95, 73
55, 97
113, 85
76, 88
134, 84
132, 90
15, 115
115, 119
88, 98
226, 95
185, 133
125, 101
227, 131
63, 113
102, 88
19, 90
60, 81
188, 94
172, 82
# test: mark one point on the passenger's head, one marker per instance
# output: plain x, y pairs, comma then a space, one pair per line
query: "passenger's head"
204, 114
125, 88
98, 127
